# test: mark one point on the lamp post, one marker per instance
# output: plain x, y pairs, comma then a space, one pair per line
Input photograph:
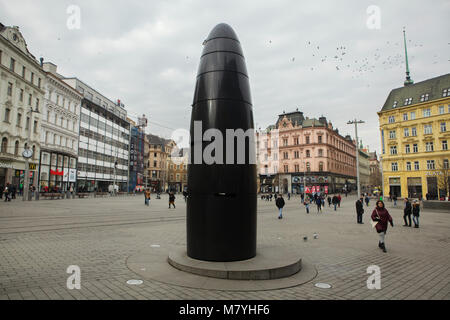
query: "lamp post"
356, 122
28, 153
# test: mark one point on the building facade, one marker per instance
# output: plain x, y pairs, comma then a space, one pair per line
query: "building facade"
177, 175
375, 172
310, 154
103, 147
157, 153
137, 141
21, 100
364, 169
59, 134
415, 133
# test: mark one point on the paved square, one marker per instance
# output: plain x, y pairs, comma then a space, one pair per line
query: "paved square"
40, 239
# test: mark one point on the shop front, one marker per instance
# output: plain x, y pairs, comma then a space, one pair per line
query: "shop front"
266, 184
395, 186
414, 187
313, 184
57, 172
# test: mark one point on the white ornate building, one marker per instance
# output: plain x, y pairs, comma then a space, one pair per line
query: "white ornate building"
60, 132
21, 96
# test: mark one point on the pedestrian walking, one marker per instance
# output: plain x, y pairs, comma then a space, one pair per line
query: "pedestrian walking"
185, 194
147, 197
279, 202
339, 200
335, 201
360, 209
307, 203
381, 216
303, 197
407, 211
171, 199
319, 204
7, 192
289, 196
329, 201
416, 213
395, 199
367, 200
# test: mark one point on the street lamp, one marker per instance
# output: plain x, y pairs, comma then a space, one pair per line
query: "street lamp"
27, 154
356, 122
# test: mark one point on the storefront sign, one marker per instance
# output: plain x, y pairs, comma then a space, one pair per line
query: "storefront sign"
57, 172
6, 165
32, 166
72, 175
326, 189
66, 175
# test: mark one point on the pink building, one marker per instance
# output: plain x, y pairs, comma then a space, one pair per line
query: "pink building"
310, 150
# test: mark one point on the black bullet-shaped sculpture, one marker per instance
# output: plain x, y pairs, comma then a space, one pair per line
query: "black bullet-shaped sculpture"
221, 206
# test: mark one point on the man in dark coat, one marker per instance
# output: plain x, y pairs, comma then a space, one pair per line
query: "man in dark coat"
335, 201
407, 212
279, 202
360, 209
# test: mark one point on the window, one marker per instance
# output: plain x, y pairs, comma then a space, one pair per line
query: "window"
441, 110
415, 148
32, 78
407, 149
4, 145
427, 129
393, 149
285, 155
413, 115
426, 113
446, 164
30, 97
395, 104
443, 127
416, 165
16, 148
35, 125
307, 139
1, 53
408, 166
430, 165
296, 168
10, 88
12, 64
23, 72
429, 146
308, 167
414, 132
27, 124
320, 139
392, 134
320, 153
446, 92
321, 166
408, 101
7, 112
308, 154
286, 168
21, 95
39, 83
296, 155
391, 119
394, 166
19, 120
37, 104
405, 117
296, 140
444, 145
406, 131
424, 97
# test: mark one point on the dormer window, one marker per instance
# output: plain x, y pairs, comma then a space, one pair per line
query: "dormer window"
424, 97
395, 104
408, 101
446, 92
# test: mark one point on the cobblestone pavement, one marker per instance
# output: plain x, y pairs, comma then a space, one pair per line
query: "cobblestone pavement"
40, 239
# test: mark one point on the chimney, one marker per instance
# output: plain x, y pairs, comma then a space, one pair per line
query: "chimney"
49, 67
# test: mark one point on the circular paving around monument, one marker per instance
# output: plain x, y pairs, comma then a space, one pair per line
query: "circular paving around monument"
272, 268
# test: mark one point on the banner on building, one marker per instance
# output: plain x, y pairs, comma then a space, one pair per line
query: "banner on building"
326, 189
72, 175
57, 172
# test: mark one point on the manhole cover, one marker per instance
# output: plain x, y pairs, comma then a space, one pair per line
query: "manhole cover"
323, 285
135, 282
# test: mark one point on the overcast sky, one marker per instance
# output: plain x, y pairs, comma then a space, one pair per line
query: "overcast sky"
147, 52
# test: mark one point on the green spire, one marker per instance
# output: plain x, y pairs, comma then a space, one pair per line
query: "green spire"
408, 80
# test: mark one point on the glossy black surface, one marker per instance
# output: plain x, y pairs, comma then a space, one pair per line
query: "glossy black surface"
221, 207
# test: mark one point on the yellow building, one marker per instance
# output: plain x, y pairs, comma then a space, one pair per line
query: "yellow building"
415, 133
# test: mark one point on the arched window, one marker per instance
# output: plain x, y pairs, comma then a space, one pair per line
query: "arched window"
16, 148
4, 147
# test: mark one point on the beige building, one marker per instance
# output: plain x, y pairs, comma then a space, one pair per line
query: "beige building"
364, 169
21, 99
178, 172
157, 151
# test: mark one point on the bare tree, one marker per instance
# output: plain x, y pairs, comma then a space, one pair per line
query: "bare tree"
443, 179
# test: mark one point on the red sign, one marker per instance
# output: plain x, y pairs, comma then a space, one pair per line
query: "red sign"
57, 172
307, 190
313, 189
326, 189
